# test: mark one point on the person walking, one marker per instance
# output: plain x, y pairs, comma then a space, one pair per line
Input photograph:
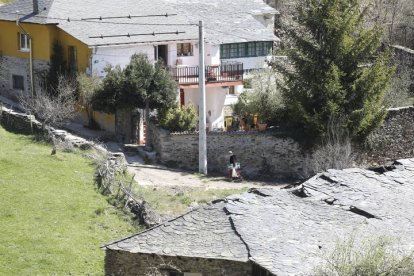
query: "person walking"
232, 166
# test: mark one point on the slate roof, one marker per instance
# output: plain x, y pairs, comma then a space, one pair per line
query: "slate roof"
287, 230
25, 10
205, 232
226, 21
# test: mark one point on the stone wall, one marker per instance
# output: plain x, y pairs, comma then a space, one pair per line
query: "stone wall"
279, 157
19, 122
20, 66
258, 153
404, 58
125, 263
394, 139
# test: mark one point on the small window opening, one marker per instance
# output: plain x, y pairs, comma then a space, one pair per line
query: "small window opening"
18, 82
24, 42
184, 49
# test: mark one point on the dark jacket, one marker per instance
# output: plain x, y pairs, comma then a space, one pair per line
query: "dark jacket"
233, 160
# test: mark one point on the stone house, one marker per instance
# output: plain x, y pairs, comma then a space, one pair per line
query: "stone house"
93, 34
275, 231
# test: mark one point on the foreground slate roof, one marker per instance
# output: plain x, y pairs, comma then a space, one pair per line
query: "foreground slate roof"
286, 231
226, 21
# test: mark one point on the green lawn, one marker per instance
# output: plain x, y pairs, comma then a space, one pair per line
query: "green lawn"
52, 219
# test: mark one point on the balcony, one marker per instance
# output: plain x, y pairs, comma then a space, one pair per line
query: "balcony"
214, 74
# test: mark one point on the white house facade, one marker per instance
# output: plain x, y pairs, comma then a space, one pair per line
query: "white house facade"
234, 45
96, 33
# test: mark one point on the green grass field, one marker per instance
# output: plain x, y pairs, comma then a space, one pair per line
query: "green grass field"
52, 219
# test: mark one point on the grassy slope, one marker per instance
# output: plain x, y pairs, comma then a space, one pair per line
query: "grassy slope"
52, 219
165, 201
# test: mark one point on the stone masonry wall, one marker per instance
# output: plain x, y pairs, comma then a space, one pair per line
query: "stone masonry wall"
394, 139
264, 153
19, 66
125, 263
258, 153
19, 122
404, 58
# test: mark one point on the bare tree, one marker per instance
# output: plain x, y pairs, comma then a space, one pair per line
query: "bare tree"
52, 110
335, 152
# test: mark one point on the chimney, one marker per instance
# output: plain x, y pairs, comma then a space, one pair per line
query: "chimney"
35, 6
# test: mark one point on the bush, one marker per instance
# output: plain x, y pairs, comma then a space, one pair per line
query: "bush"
179, 119
369, 258
398, 93
107, 97
335, 151
264, 99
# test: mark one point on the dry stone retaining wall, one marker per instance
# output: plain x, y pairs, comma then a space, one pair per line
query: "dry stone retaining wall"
264, 153
394, 139
258, 153
125, 263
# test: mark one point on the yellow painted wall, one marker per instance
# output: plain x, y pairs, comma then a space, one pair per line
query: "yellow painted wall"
66, 40
43, 37
105, 121
9, 41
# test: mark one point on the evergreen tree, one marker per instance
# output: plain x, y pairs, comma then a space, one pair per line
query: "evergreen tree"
335, 69
108, 96
140, 85
57, 68
148, 86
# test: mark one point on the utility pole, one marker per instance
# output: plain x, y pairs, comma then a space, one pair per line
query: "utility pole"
202, 140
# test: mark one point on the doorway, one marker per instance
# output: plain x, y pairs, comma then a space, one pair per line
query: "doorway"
163, 53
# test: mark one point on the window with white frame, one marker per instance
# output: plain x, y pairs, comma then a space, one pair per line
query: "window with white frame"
24, 42
184, 49
17, 82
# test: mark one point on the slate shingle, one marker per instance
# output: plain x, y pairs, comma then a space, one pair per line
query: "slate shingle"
287, 234
225, 21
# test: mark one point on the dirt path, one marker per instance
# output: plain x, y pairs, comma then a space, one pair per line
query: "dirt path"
159, 176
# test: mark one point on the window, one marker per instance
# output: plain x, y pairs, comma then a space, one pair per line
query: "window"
251, 49
261, 49
24, 42
18, 82
225, 50
248, 49
184, 49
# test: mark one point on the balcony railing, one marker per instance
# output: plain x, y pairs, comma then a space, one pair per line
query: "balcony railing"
219, 73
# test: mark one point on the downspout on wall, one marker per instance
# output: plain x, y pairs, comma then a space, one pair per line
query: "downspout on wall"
30, 54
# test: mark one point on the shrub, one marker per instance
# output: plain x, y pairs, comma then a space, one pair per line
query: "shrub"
179, 119
264, 99
369, 258
335, 151
398, 93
